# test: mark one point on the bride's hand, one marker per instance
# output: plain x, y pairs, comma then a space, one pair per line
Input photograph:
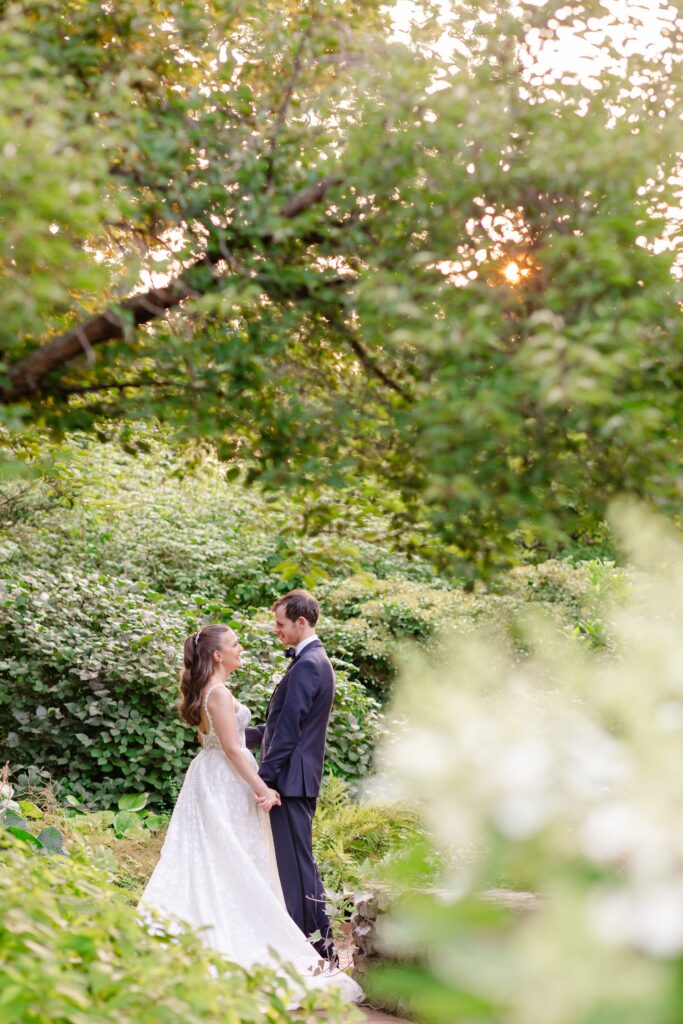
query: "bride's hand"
269, 800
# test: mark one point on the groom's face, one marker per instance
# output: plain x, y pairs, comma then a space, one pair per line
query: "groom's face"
288, 632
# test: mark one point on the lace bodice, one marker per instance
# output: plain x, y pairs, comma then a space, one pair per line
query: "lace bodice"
210, 740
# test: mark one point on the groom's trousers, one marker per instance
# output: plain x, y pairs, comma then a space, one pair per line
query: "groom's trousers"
292, 826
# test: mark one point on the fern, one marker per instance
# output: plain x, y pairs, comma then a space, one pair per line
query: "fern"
350, 836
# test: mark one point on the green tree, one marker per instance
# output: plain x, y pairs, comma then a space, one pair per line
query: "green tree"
335, 213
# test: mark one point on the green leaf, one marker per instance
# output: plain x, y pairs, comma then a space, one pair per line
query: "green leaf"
154, 821
133, 801
13, 819
25, 836
126, 821
102, 819
29, 810
52, 839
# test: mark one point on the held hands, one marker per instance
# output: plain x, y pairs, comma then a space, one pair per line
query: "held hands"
269, 800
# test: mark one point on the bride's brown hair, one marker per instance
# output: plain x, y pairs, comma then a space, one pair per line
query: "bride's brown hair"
199, 667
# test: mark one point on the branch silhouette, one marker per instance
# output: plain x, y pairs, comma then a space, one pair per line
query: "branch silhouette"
28, 377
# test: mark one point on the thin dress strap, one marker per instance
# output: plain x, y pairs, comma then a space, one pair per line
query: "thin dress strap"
205, 701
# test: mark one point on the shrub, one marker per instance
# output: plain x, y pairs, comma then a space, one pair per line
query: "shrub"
168, 517
72, 952
90, 683
90, 666
371, 619
157, 519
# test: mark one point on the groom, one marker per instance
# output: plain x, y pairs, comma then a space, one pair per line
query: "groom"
292, 745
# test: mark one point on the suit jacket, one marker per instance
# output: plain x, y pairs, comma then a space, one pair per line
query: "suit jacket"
292, 740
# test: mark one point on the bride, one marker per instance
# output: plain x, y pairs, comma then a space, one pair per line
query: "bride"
217, 871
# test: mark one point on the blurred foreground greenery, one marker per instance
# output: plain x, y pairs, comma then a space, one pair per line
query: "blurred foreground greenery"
72, 951
558, 772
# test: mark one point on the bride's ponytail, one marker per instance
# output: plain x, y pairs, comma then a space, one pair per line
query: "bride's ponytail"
199, 666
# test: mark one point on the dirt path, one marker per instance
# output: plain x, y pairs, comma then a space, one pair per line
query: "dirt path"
379, 1017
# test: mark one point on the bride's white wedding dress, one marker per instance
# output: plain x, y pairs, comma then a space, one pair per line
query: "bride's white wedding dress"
217, 871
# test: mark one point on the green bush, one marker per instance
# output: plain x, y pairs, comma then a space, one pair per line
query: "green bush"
370, 619
121, 554
169, 518
158, 518
90, 665
72, 952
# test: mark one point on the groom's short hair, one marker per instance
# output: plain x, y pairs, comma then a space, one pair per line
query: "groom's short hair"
298, 603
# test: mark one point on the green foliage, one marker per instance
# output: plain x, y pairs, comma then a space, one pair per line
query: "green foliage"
103, 581
19, 820
371, 620
171, 517
349, 837
130, 819
345, 204
91, 665
90, 683
72, 951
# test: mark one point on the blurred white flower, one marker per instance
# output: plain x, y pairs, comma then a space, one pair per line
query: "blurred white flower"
577, 755
649, 918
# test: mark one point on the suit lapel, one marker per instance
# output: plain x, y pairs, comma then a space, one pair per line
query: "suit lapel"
312, 646
278, 685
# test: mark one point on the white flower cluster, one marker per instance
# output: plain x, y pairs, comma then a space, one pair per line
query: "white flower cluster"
574, 758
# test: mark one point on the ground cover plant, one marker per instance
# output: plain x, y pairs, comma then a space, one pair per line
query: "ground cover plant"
72, 951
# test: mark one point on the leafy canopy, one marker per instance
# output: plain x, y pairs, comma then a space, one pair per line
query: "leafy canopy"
283, 227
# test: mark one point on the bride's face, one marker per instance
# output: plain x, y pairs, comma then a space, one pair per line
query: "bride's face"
230, 652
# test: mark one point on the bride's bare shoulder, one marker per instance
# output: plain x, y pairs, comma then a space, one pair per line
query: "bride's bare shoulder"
221, 697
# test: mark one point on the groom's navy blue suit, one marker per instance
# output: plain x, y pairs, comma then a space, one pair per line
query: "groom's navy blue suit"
292, 745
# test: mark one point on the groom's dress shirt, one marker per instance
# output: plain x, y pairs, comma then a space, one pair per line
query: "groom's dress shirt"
292, 740
304, 643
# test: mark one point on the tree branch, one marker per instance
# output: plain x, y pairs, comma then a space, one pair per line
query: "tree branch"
120, 386
17, 496
373, 368
27, 377
282, 112
366, 360
308, 197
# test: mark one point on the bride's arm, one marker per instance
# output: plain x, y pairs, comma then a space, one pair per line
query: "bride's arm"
222, 705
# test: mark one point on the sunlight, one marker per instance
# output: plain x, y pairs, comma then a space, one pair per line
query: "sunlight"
631, 26
513, 273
